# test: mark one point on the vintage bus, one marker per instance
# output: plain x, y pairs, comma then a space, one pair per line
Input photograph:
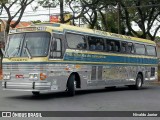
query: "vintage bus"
58, 57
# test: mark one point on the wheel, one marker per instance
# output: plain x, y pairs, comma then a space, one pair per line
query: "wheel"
35, 93
110, 87
71, 85
139, 82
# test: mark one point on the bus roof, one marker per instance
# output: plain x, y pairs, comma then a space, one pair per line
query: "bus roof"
60, 28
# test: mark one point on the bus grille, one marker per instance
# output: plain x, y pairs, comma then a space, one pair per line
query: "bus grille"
23, 67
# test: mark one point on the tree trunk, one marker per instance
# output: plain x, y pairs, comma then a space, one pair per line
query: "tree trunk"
8, 26
104, 20
61, 12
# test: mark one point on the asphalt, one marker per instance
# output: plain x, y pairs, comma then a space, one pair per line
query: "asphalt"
118, 99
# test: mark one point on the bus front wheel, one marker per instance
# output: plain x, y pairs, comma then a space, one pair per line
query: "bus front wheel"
36, 93
71, 85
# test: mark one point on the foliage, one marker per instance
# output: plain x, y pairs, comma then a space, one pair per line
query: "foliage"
70, 3
21, 6
144, 13
110, 22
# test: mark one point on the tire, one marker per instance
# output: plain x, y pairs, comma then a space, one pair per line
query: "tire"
35, 93
110, 87
71, 85
139, 82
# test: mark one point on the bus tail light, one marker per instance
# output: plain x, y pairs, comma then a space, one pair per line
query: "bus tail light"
43, 76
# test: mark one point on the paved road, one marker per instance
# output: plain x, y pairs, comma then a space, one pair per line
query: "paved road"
119, 99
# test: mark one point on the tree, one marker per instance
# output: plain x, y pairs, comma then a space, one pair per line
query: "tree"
91, 16
1, 8
69, 3
97, 16
143, 13
109, 22
21, 6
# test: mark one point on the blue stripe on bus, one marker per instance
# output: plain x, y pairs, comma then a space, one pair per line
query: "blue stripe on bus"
107, 58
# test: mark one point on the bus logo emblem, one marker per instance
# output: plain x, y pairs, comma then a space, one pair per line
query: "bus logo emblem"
19, 76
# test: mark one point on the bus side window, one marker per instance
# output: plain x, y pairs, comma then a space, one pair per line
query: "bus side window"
92, 43
151, 50
96, 43
130, 48
113, 46
124, 47
140, 49
76, 41
56, 48
100, 44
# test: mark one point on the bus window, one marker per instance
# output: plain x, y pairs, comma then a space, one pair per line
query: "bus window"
15, 43
113, 46
151, 50
96, 43
37, 44
76, 41
130, 48
92, 43
124, 47
56, 48
140, 49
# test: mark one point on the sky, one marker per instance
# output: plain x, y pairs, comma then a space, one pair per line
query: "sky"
40, 13
30, 15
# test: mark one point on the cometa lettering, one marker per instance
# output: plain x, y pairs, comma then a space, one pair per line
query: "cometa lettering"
19, 59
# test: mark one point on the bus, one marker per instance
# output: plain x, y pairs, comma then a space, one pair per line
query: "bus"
57, 57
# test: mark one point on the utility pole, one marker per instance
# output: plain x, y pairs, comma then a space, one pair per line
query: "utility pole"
49, 6
61, 11
119, 17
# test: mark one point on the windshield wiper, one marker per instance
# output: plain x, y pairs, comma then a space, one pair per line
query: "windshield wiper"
15, 51
27, 51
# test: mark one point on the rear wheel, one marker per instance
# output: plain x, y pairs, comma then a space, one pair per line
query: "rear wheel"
71, 85
35, 93
139, 82
110, 87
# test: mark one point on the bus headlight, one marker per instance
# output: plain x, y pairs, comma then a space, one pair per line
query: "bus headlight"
7, 76
33, 76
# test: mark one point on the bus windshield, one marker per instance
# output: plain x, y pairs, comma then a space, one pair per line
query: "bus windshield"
21, 44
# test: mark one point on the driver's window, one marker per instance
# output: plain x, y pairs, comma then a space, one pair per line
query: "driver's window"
56, 48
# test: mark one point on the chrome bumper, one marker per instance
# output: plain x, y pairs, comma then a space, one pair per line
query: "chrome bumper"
26, 86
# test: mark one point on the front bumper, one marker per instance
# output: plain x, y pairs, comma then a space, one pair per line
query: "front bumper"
27, 86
